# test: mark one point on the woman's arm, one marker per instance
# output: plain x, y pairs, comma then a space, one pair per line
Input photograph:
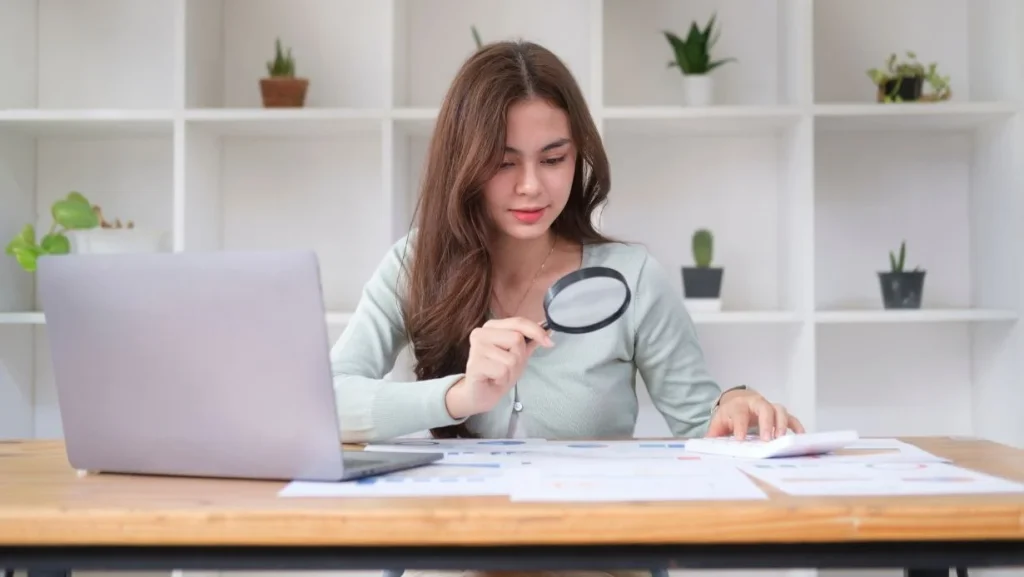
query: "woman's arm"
668, 354
369, 407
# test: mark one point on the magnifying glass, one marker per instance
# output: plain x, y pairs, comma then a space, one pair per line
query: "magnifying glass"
586, 300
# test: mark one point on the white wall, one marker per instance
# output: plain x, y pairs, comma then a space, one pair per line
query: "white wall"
152, 109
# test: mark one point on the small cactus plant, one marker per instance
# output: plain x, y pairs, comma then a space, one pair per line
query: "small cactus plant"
282, 88
283, 64
897, 264
703, 247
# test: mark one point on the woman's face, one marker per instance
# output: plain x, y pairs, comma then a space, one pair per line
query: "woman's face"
532, 184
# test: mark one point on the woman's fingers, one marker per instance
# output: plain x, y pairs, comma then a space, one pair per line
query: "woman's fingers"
525, 327
796, 425
781, 420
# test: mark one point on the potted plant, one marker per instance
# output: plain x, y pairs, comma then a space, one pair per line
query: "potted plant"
476, 37
903, 81
282, 89
79, 227
702, 283
693, 58
901, 289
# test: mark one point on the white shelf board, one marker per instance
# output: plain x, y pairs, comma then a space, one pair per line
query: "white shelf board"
745, 317
699, 119
910, 116
915, 316
26, 318
91, 122
38, 318
283, 121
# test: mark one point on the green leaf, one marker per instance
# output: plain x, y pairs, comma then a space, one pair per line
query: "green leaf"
75, 196
73, 214
26, 257
55, 243
25, 238
718, 63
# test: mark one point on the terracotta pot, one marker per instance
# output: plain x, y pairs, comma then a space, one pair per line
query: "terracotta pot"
280, 92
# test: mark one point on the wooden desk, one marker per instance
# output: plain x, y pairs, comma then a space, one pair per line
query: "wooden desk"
51, 517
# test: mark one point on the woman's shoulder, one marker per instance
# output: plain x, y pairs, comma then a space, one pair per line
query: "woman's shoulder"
633, 260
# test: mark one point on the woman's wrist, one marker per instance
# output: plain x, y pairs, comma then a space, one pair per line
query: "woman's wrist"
457, 401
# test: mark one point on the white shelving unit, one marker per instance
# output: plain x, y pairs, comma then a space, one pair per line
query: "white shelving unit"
152, 109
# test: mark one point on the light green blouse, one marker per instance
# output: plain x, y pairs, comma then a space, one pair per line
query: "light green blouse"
583, 387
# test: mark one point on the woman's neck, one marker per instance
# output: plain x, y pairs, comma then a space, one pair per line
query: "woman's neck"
516, 262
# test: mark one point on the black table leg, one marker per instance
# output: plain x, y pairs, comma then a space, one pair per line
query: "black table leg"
49, 573
960, 572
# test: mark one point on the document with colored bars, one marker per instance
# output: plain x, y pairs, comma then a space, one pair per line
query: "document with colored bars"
538, 470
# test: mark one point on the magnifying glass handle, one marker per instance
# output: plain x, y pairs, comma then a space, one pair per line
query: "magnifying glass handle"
544, 326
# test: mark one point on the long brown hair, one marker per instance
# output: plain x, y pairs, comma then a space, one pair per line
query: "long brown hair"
450, 272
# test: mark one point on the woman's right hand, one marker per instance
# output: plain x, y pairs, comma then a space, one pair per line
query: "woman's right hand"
497, 354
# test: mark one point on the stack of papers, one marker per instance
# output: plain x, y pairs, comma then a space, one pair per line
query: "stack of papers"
536, 470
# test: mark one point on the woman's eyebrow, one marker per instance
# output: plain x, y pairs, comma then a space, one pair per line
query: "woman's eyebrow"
547, 147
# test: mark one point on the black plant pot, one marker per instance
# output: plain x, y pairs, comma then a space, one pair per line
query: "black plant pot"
702, 283
902, 290
909, 90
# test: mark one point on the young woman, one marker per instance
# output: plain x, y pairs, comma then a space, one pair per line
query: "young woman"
514, 174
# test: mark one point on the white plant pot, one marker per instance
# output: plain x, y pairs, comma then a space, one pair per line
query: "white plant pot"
698, 90
117, 240
703, 305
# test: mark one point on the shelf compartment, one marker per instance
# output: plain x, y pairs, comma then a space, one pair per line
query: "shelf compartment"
666, 186
968, 39
763, 36
83, 54
338, 45
950, 196
433, 39
271, 191
130, 176
897, 380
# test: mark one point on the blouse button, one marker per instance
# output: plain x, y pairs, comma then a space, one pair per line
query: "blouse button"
517, 406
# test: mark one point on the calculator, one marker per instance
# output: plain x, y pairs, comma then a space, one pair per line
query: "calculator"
792, 445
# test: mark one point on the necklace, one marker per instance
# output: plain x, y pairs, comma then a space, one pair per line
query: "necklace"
529, 288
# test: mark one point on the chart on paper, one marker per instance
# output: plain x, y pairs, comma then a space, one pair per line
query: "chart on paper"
625, 449
441, 479
876, 478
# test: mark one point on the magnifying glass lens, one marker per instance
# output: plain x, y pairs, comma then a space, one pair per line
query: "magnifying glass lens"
587, 302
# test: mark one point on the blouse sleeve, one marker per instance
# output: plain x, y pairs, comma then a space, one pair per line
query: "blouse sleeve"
668, 355
370, 407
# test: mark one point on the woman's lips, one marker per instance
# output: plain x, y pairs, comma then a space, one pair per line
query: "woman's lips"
528, 216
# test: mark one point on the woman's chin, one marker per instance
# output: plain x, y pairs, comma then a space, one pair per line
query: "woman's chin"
525, 231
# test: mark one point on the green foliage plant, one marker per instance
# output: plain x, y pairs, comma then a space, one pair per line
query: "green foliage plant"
74, 212
693, 55
898, 71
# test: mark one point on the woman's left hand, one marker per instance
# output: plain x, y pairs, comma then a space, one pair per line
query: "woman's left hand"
739, 409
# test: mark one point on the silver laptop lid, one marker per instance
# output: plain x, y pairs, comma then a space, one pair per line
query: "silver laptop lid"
204, 363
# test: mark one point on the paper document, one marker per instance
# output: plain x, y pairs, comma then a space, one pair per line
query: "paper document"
878, 478
632, 480
438, 479
626, 449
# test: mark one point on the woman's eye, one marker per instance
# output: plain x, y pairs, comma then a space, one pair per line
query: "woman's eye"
553, 161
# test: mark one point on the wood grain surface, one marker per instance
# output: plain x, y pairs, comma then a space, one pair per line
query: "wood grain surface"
45, 502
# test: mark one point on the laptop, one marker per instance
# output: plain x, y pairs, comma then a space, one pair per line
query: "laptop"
199, 364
